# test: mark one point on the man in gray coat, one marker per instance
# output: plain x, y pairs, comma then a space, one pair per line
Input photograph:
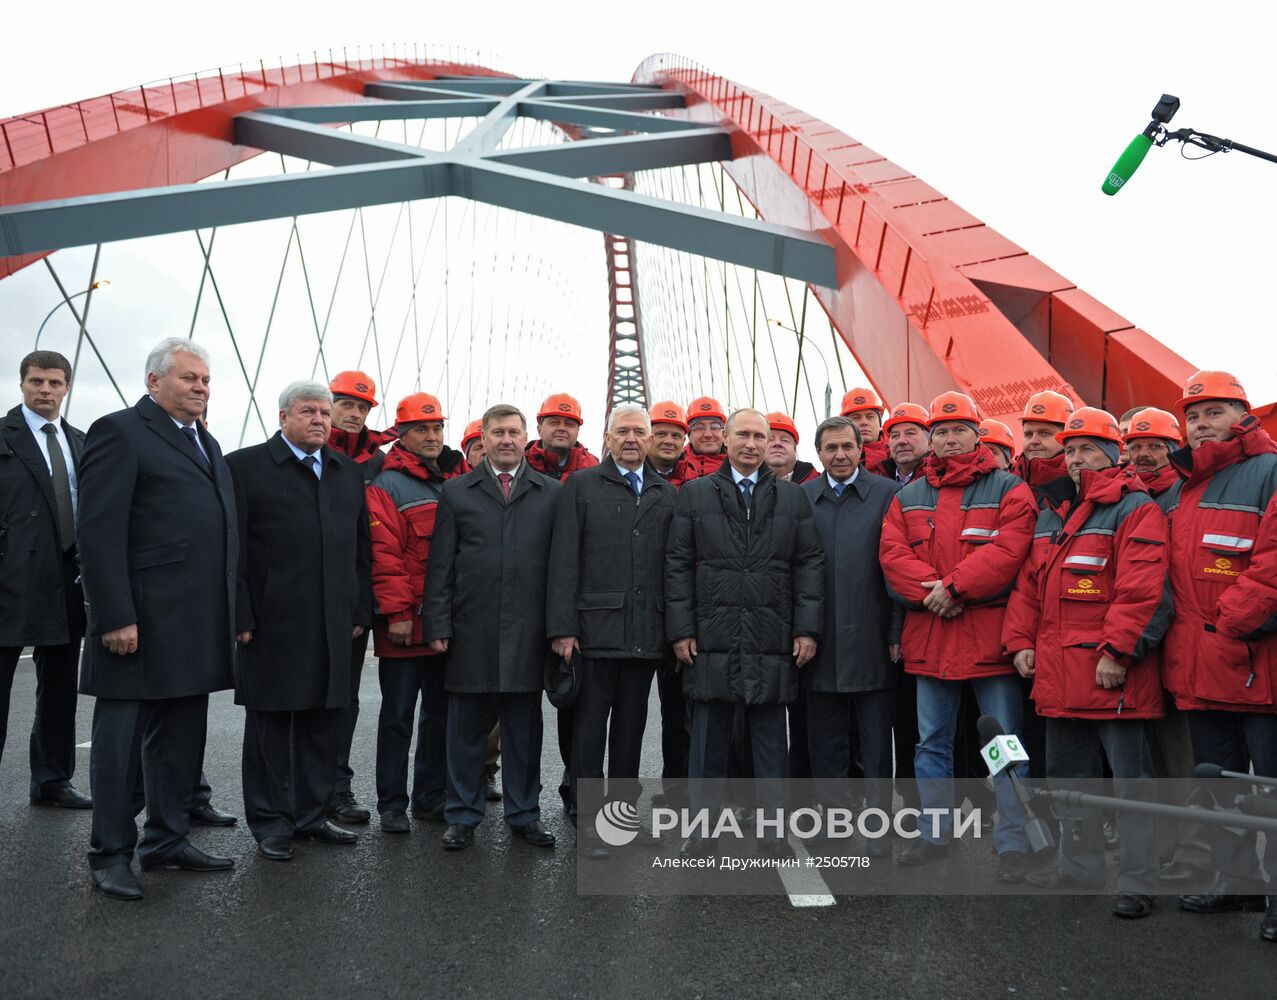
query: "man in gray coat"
854, 675
484, 605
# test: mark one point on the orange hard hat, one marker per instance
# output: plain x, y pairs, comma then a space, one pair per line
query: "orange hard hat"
705, 406
1154, 423
474, 431
1091, 422
420, 407
783, 422
860, 399
1049, 407
1211, 385
560, 405
953, 406
357, 385
667, 412
906, 413
996, 432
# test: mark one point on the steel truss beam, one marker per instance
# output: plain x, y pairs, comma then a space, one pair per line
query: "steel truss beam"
539, 180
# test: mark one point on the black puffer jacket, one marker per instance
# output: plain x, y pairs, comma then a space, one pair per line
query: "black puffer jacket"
743, 586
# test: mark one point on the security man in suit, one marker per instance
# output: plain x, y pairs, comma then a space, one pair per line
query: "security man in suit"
40, 600
158, 548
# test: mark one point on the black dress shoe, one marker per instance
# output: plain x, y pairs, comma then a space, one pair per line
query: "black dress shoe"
329, 834
535, 834
694, 847
67, 797
1180, 873
432, 815
921, 852
117, 882
1268, 929
394, 821
190, 859
878, 847
1012, 867
1220, 900
345, 809
458, 837
491, 792
1050, 877
276, 848
776, 848
1132, 906
207, 815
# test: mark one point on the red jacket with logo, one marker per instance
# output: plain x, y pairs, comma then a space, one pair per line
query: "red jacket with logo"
1094, 583
968, 524
402, 500
1221, 651
546, 462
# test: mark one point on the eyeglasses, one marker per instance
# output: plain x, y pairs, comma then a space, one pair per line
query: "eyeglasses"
707, 422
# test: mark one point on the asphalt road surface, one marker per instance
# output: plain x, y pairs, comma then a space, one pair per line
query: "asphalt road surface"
397, 916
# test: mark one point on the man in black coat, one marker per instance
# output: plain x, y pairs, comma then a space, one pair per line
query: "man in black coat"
854, 675
484, 605
40, 600
744, 586
607, 597
304, 590
158, 547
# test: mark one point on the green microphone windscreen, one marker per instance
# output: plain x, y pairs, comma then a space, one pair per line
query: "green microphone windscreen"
1126, 164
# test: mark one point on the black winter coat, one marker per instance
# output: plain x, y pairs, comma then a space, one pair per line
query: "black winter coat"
158, 548
858, 612
486, 579
34, 605
305, 577
743, 587
607, 563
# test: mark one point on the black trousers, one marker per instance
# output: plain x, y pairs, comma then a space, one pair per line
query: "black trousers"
350, 714
676, 723
1079, 748
611, 714
144, 753
290, 763
565, 721
904, 734
469, 726
1236, 741
829, 724
402, 681
52, 746
799, 754
711, 748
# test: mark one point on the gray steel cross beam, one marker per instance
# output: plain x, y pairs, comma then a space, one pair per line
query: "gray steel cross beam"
538, 180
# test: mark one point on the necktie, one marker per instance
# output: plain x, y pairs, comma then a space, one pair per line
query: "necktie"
193, 436
312, 463
747, 491
633, 479
61, 487
840, 488
504, 478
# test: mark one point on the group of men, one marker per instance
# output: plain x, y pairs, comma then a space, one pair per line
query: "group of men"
1108, 593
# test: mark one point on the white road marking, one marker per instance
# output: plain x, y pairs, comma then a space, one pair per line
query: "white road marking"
805, 885
84, 746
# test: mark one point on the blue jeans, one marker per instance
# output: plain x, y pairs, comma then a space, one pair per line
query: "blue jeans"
938, 701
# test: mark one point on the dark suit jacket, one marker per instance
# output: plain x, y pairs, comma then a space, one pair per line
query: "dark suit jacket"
35, 609
486, 579
304, 577
158, 547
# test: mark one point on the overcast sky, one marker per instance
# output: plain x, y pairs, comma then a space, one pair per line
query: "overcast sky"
1015, 111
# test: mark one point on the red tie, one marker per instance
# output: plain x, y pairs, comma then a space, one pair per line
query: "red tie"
504, 478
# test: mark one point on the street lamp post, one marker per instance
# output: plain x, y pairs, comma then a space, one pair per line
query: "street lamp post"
99, 284
829, 391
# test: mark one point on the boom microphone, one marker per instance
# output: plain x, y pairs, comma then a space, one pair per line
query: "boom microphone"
1127, 163
1210, 771
996, 744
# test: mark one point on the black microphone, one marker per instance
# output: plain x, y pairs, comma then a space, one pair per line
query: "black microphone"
1258, 805
1212, 771
1038, 832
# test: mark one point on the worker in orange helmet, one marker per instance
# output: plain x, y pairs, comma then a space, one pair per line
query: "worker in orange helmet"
705, 452
472, 443
782, 450
951, 547
354, 397
997, 437
908, 442
1088, 607
557, 453
669, 437
864, 408
1150, 437
1221, 651
1041, 458
402, 501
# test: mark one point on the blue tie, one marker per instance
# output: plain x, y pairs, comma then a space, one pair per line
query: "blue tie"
193, 436
747, 491
633, 479
312, 463
839, 488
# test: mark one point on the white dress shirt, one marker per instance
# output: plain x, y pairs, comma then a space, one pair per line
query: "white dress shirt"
317, 455
833, 483
36, 423
626, 472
